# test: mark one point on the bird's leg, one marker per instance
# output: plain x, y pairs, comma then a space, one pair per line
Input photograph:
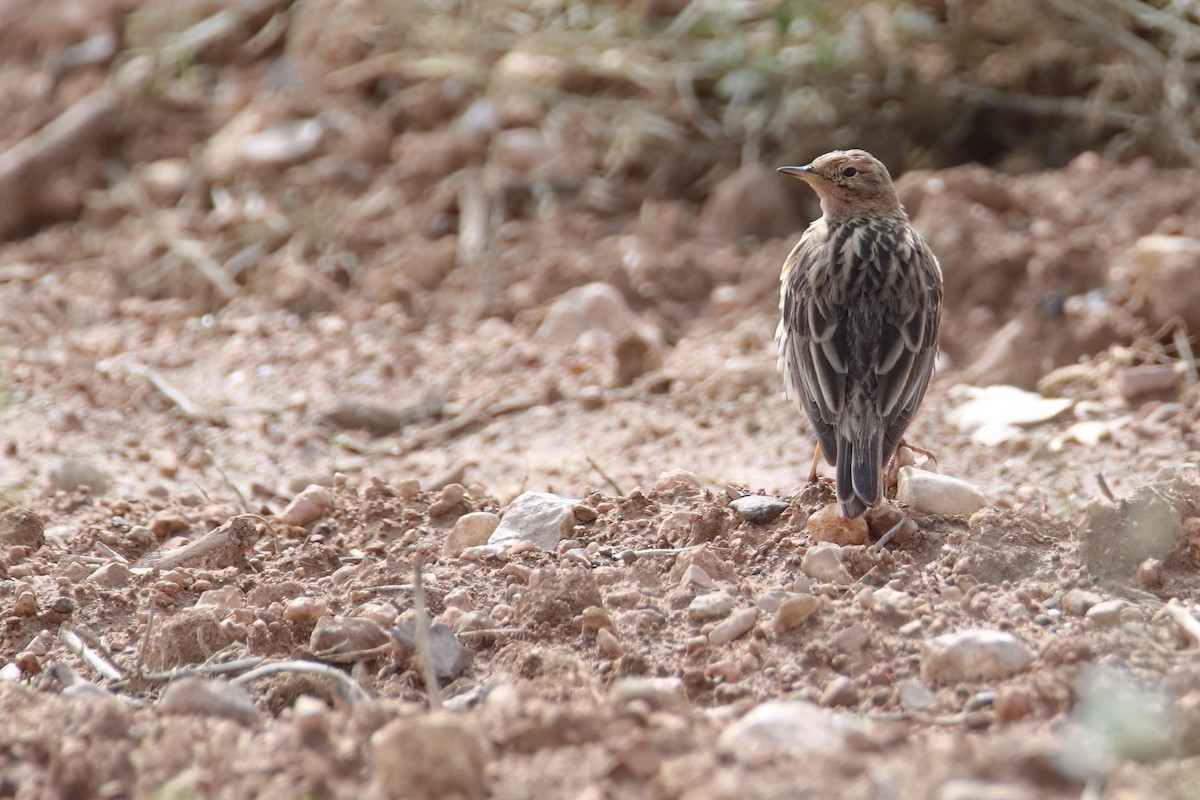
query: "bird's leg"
813, 477
919, 450
893, 470
812, 473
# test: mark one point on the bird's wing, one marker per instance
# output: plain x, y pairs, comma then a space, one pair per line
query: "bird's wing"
809, 341
908, 345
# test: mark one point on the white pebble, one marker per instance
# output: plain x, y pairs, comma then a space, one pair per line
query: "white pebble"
929, 493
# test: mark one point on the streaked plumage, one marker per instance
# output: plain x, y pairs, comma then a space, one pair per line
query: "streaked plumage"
861, 299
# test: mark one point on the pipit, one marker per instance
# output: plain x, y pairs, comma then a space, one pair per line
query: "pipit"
861, 299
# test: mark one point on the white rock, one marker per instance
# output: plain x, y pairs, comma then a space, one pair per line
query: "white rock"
983, 790
1106, 613
794, 611
663, 694
915, 696
594, 307
710, 606
929, 493
426, 757
735, 627
470, 530
824, 563
538, 517
977, 654
209, 698
892, 603
110, 576
1078, 601
786, 728
1002, 406
694, 575
309, 506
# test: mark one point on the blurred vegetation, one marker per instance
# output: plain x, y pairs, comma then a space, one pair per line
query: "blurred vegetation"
1025, 83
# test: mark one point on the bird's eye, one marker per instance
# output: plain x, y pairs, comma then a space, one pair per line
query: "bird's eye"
849, 172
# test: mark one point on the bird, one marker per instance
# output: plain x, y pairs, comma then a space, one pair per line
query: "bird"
861, 301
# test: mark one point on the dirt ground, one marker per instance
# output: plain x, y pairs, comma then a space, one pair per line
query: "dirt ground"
248, 396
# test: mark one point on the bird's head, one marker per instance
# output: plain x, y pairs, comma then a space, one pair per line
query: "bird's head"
849, 183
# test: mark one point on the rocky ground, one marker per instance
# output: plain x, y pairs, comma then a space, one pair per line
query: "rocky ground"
294, 398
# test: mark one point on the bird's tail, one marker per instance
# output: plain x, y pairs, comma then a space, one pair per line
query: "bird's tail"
859, 470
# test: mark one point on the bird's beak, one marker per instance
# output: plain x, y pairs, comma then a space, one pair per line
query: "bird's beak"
803, 173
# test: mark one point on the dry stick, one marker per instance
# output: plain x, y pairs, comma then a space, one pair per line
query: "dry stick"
102, 664
240, 528
1104, 488
145, 648
352, 692
228, 482
401, 587
423, 650
607, 478
1184, 347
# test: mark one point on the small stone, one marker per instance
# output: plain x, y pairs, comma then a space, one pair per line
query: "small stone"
696, 576
608, 644
710, 606
111, 576
473, 622
21, 527
470, 530
885, 516
973, 655
1115, 538
823, 562
222, 602
661, 694
28, 662
828, 525
452, 495
793, 612
25, 605
310, 505
1136, 382
337, 635
892, 603
310, 715
1150, 573
735, 627
1012, 703
208, 698
851, 639
449, 656
430, 757
840, 692
915, 696
929, 493
1078, 601
305, 610
596, 619
758, 508
408, 489
676, 480
538, 517
73, 474
1106, 613
785, 728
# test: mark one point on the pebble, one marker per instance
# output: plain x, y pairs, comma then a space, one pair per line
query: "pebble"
851, 639
470, 530
735, 627
677, 481
111, 576
538, 517
305, 610
452, 495
840, 692
310, 716
1078, 601
608, 644
596, 307
73, 474
1135, 382
759, 508
661, 694
828, 525
1150, 573
695, 575
374, 418
25, 605
710, 606
892, 603
430, 757
793, 612
929, 493
915, 696
823, 562
473, 621
209, 698
1161, 270
785, 728
450, 657
21, 527
1012, 703
335, 635
1106, 613
597, 619
976, 654
314, 502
